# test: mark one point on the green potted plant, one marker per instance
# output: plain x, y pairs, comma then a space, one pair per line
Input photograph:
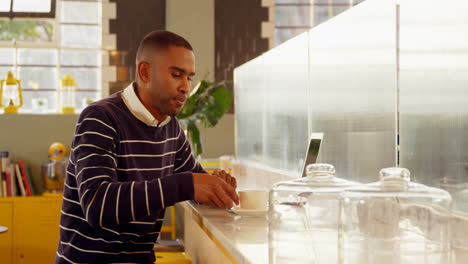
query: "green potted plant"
206, 104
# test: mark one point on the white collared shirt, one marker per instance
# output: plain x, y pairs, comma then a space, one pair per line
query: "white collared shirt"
138, 109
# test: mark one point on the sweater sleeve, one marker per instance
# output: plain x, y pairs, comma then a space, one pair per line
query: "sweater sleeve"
185, 162
104, 200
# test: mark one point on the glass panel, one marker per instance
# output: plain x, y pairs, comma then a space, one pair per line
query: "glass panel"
339, 9
352, 90
281, 35
7, 56
27, 30
292, 15
250, 109
5, 5
4, 71
38, 77
293, 1
321, 14
80, 12
433, 94
85, 78
286, 69
80, 57
337, 79
37, 56
42, 99
42, 6
80, 36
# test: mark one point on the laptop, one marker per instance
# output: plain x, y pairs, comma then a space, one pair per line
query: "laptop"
312, 151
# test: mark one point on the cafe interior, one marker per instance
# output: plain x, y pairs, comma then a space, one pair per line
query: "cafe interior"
343, 122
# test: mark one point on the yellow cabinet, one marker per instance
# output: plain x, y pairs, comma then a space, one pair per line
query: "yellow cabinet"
6, 239
33, 233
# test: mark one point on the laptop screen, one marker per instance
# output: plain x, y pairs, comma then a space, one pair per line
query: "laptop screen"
312, 151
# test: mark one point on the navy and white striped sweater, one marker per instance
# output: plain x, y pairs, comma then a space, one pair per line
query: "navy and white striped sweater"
121, 175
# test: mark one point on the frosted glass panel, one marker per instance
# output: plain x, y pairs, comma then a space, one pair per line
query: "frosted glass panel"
80, 36
38, 77
7, 56
352, 89
286, 127
5, 5
250, 86
80, 12
31, 6
80, 57
433, 94
339, 79
37, 56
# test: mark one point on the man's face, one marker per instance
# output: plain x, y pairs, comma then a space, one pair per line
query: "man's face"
172, 71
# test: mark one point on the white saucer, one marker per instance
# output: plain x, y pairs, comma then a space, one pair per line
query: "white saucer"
243, 212
3, 229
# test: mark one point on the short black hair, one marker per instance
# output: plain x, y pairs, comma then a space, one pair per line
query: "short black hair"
162, 39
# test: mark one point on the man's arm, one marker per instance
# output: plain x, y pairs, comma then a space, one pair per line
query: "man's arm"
209, 189
104, 200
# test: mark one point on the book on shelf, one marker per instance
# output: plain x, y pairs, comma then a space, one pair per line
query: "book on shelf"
16, 177
26, 179
20, 180
8, 182
4, 164
14, 185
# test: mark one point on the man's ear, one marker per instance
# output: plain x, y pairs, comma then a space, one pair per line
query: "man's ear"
144, 71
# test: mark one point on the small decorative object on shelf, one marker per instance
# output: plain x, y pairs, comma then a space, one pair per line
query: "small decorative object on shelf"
11, 97
67, 95
39, 105
54, 171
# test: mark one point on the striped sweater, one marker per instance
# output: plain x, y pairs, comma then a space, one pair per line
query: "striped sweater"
121, 175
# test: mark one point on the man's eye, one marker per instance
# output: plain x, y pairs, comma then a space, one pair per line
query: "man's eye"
176, 75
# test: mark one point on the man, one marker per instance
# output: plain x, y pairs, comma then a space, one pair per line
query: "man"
130, 159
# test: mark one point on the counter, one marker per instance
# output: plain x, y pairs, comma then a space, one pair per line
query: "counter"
218, 236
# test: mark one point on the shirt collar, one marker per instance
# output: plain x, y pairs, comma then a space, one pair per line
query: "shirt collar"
138, 109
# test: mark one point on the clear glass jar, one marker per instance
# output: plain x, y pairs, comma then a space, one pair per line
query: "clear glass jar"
395, 221
304, 217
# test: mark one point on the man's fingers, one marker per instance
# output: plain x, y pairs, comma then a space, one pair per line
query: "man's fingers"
216, 201
233, 182
222, 195
231, 192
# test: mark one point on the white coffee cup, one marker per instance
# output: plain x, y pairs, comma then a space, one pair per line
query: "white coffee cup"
253, 199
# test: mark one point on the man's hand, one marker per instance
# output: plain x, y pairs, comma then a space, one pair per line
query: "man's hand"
226, 177
210, 189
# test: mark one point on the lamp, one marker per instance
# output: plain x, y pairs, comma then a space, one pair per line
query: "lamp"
67, 94
11, 97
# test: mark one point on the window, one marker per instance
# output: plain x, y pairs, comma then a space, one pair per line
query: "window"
42, 40
27, 8
292, 17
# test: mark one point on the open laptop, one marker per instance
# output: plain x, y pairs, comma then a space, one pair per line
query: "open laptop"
312, 151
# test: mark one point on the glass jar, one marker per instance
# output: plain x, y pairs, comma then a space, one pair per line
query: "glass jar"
395, 221
304, 217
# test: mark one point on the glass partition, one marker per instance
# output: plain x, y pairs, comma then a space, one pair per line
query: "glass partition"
433, 94
339, 79
352, 89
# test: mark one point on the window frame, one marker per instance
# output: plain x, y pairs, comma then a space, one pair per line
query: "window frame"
12, 14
